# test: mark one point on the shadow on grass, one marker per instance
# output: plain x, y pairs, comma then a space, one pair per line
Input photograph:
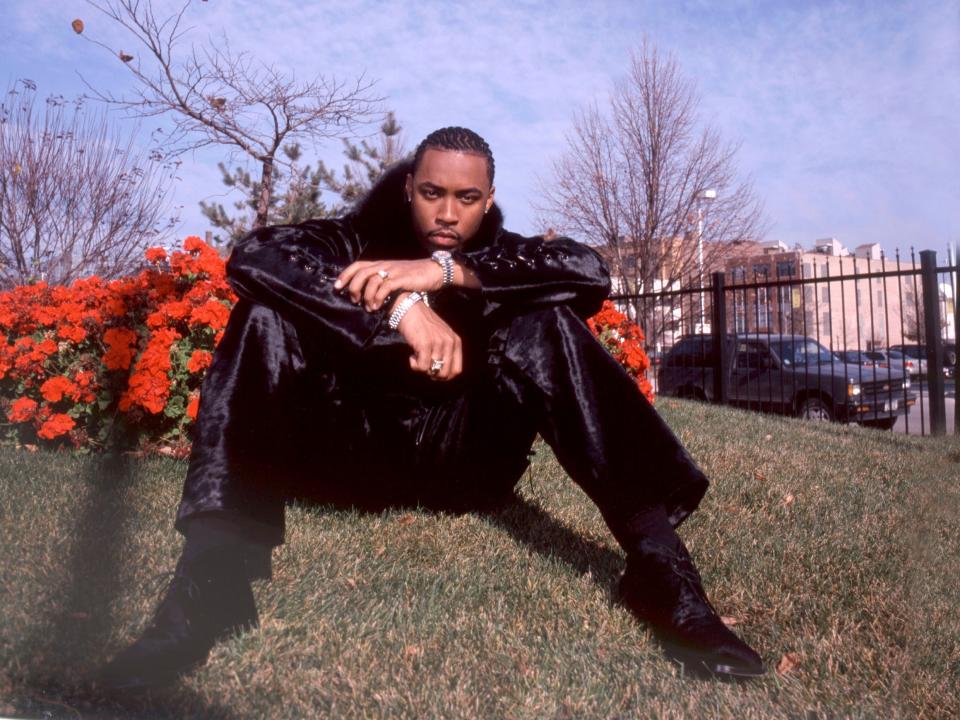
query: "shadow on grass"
529, 524
65, 650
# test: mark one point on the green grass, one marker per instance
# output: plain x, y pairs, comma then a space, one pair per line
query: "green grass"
410, 614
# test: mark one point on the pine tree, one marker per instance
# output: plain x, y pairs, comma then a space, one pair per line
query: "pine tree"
366, 162
298, 191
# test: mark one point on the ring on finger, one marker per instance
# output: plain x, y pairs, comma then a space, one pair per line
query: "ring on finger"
436, 366
383, 274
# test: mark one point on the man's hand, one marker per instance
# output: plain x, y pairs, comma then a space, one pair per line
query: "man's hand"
431, 339
365, 279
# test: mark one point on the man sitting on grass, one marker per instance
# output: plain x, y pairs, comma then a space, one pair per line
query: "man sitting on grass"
409, 353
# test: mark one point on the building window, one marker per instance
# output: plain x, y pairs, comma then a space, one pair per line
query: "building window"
880, 298
783, 294
762, 309
739, 316
824, 269
760, 271
825, 295
739, 274
786, 268
825, 324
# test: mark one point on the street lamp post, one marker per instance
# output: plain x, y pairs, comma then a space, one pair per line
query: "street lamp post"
702, 197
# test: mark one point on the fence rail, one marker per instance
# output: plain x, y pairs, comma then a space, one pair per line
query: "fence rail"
871, 324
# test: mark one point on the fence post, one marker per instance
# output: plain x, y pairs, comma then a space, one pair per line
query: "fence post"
719, 332
956, 339
931, 313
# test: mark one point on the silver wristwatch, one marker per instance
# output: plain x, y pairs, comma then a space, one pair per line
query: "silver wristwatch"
445, 260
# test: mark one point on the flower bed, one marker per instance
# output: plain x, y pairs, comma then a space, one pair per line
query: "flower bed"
113, 363
119, 364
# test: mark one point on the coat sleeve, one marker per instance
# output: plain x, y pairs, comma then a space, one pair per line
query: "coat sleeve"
291, 269
523, 273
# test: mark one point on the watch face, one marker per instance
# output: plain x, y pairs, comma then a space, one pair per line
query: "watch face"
441, 254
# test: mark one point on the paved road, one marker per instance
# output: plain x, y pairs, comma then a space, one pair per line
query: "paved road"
950, 393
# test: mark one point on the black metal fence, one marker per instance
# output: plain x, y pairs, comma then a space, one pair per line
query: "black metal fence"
875, 320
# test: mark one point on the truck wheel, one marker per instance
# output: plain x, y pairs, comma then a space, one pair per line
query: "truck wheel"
815, 409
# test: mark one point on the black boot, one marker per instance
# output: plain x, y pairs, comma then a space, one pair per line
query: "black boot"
662, 587
207, 600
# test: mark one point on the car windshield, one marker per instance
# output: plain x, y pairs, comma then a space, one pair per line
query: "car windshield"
800, 352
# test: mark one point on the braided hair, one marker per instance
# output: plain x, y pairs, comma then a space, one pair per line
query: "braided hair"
458, 139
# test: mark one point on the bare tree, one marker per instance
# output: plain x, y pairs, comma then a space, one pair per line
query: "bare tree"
633, 179
76, 196
216, 96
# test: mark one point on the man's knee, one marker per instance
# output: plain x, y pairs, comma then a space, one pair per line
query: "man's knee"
547, 334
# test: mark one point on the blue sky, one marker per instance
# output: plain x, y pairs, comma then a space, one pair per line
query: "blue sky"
848, 112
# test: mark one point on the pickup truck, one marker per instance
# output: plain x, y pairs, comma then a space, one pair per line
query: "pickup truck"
787, 374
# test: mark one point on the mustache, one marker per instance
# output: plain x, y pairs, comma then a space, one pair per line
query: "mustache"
447, 232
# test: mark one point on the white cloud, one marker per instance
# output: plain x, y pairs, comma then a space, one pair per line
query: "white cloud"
846, 110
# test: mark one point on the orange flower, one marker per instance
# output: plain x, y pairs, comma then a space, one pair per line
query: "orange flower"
194, 244
199, 361
193, 406
120, 351
55, 388
149, 384
57, 425
85, 386
156, 255
22, 410
45, 348
73, 333
212, 313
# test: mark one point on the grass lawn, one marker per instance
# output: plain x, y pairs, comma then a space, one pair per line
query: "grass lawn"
836, 547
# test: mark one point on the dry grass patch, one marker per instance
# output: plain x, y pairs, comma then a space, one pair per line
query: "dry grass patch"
835, 550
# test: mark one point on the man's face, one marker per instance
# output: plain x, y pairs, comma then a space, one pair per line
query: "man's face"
449, 194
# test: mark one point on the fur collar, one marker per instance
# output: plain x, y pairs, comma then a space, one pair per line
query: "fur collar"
382, 220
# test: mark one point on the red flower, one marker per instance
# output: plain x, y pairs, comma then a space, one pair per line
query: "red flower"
73, 333
22, 410
120, 351
194, 244
193, 406
156, 255
45, 348
55, 388
212, 313
57, 425
199, 361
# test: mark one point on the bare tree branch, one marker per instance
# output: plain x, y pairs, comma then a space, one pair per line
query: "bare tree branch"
215, 96
76, 196
630, 179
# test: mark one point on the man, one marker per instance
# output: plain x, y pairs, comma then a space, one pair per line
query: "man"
410, 352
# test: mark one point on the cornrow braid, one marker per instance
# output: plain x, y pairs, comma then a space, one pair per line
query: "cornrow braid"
459, 139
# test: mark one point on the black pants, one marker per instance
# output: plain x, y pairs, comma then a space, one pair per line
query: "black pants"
281, 416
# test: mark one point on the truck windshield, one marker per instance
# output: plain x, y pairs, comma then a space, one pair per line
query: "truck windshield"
799, 352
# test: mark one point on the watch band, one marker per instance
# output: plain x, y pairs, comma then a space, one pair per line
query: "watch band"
400, 310
445, 260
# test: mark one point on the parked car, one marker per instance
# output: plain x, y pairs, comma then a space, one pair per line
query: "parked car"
787, 374
855, 357
913, 365
873, 358
919, 352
